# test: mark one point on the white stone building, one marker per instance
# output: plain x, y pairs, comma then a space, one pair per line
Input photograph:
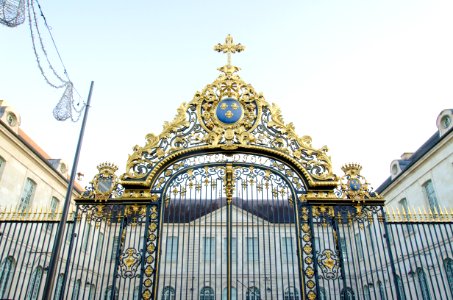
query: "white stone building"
29, 178
424, 178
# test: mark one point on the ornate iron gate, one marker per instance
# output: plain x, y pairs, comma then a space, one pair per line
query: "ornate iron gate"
229, 230
228, 202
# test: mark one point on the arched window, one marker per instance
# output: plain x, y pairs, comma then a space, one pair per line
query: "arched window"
291, 293
76, 290
423, 284
92, 292
27, 195
366, 292
34, 284
322, 293
448, 265
381, 290
2, 166
207, 293
109, 293
59, 286
168, 293
400, 287
136, 293
6, 275
347, 294
253, 293
234, 294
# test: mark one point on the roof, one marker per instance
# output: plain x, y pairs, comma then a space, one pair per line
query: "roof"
187, 210
405, 165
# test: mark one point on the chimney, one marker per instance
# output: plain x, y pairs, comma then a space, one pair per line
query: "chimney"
406, 155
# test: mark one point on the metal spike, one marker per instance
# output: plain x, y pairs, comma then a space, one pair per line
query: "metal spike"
427, 216
399, 215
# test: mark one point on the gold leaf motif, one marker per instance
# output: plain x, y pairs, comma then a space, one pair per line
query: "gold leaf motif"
149, 271
309, 272
148, 282
229, 114
147, 294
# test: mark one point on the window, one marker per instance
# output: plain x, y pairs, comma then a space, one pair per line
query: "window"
2, 165
172, 248
291, 293
448, 265
59, 286
116, 244
234, 294
322, 293
207, 293
423, 284
406, 212
6, 275
347, 294
34, 284
91, 291
99, 246
54, 205
344, 251
252, 249
366, 292
253, 293
76, 290
108, 293
209, 248
11, 119
358, 245
69, 229
86, 236
234, 250
431, 195
381, 290
168, 293
400, 287
27, 195
137, 293
445, 121
287, 249
369, 239
317, 244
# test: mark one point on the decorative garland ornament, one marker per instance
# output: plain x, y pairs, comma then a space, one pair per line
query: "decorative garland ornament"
12, 13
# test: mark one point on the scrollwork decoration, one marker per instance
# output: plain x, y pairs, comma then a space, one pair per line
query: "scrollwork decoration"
198, 126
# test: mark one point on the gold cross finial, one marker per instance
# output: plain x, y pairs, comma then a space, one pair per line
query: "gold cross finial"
229, 47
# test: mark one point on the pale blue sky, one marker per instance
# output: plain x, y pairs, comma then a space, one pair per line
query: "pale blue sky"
365, 78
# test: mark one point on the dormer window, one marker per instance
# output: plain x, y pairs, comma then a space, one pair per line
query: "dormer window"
63, 168
445, 122
11, 119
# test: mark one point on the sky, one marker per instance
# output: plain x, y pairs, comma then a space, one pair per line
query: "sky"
366, 78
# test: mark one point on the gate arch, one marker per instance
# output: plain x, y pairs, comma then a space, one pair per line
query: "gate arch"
255, 213
228, 134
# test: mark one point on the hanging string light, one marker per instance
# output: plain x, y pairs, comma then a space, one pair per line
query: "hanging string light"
12, 13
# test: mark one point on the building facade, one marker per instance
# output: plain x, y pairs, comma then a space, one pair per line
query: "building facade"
424, 178
29, 178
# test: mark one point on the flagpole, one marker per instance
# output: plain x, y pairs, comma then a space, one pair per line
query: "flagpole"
50, 279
